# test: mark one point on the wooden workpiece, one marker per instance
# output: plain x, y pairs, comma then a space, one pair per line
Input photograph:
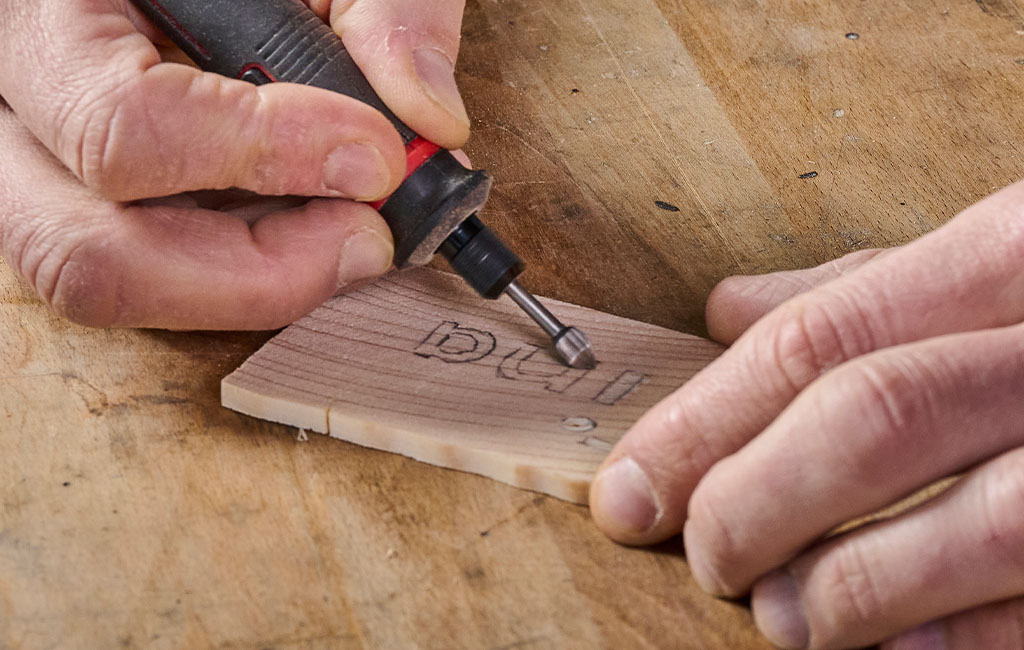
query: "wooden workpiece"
137, 512
417, 364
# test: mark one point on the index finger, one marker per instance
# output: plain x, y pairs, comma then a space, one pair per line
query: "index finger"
961, 277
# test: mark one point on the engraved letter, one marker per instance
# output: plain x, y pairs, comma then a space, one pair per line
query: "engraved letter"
454, 344
520, 366
621, 386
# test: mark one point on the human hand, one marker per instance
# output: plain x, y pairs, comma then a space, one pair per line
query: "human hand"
95, 124
848, 387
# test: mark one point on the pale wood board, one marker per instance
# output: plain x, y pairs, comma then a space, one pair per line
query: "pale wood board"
419, 365
186, 525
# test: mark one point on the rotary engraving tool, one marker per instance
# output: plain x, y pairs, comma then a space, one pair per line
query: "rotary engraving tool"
435, 208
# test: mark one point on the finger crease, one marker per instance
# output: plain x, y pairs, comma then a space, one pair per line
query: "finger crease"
861, 588
49, 293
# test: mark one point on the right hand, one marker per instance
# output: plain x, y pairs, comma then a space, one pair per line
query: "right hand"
96, 123
846, 388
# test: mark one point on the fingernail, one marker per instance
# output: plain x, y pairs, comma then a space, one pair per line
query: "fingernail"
358, 171
778, 612
437, 72
366, 254
624, 497
931, 636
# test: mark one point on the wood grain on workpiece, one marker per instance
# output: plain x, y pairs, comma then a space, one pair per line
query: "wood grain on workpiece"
185, 525
417, 364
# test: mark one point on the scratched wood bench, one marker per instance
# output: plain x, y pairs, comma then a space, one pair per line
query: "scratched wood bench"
136, 511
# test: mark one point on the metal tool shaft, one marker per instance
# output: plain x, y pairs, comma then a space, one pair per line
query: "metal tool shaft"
533, 307
572, 345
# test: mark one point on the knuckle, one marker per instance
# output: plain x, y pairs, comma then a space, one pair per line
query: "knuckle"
850, 592
80, 282
817, 333
75, 125
88, 137
694, 448
676, 437
894, 399
94, 145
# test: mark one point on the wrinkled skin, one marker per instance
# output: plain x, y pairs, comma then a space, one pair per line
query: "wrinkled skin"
847, 387
96, 126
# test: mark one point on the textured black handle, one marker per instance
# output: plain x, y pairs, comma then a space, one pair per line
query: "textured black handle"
263, 41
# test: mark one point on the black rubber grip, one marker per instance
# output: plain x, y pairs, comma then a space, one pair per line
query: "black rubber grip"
282, 40
481, 258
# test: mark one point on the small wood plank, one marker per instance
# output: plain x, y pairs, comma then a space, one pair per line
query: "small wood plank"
418, 365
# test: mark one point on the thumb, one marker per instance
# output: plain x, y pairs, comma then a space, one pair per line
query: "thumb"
407, 51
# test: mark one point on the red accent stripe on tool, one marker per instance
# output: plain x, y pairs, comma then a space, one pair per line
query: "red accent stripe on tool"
417, 152
177, 26
256, 66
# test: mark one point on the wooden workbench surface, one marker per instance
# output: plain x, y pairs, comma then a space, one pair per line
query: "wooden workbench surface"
135, 512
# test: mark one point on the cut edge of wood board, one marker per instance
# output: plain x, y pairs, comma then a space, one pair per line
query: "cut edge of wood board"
417, 310
421, 446
249, 402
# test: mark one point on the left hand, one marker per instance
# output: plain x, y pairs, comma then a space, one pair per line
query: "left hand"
848, 387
